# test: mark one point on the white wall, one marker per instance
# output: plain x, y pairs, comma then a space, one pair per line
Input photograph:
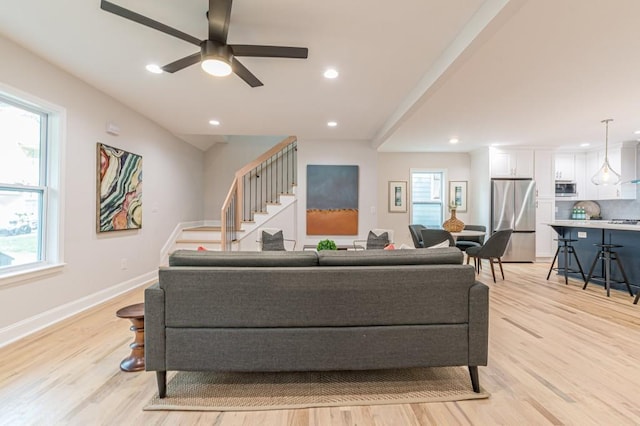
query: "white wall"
221, 162
352, 153
397, 166
172, 193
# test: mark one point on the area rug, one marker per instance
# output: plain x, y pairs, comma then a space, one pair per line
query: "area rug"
210, 391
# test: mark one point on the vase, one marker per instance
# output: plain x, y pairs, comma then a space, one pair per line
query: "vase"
453, 224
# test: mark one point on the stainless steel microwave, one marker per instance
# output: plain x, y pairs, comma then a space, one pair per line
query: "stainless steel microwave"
566, 189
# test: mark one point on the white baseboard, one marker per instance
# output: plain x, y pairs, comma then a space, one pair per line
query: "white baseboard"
35, 323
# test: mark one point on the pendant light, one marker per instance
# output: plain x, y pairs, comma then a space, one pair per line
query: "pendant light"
606, 175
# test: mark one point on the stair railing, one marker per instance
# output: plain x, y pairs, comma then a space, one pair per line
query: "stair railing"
256, 185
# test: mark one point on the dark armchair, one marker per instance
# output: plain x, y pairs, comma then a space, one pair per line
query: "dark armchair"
416, 235
437, 238
493, 250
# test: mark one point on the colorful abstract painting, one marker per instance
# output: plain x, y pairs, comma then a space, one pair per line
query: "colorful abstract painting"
332, 200
119, 189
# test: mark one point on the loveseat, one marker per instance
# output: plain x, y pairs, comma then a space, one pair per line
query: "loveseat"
304, 311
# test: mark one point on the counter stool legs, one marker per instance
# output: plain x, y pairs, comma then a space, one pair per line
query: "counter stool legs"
566, 248
635, 301
607, 256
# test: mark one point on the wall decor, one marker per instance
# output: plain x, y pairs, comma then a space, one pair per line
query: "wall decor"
458, 195
119, 189
397, 196
332, 200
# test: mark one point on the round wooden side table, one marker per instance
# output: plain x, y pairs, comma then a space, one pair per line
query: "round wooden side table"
134, 313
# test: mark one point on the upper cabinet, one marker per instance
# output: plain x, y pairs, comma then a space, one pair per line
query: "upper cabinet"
622, 159
565, 167
506, 163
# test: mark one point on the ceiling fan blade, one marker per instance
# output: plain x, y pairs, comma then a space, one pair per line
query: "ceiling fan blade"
219, 15
269, 51
140, 19
182, 63
242, 72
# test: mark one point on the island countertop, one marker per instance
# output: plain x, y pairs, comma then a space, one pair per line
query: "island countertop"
595, 224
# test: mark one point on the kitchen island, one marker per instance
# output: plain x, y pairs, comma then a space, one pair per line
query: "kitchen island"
591, 232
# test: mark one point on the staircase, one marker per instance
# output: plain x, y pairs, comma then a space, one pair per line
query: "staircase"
261, 195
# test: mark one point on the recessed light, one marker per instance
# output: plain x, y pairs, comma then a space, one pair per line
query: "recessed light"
214, 122
637, 132
154, 69
453, 141
332, 123
331, 73
584, 145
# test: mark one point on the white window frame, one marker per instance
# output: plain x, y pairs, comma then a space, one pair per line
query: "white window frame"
443, 194
52, 256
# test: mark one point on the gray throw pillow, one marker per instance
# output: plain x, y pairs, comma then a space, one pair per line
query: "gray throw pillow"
377, 242
273, 242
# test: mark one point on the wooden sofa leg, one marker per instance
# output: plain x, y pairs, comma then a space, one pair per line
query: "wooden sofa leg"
161, 377
475, 382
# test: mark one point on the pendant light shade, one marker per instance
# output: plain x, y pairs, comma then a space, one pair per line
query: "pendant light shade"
606, 175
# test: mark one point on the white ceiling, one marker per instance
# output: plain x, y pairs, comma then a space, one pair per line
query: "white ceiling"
413, 74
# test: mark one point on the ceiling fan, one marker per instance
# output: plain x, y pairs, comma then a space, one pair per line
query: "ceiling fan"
216, 56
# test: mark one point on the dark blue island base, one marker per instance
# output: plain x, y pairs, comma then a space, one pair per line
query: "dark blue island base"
586, 251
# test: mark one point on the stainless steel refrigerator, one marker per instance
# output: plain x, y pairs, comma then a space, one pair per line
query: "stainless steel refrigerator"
513, 207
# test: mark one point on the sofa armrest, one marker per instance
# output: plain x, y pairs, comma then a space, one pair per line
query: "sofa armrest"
478, 323
154, 329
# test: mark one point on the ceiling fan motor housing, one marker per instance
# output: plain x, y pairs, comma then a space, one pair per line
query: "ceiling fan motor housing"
210, 49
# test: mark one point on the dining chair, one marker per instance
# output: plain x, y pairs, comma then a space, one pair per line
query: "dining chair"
464, 242
493, 250
433, 238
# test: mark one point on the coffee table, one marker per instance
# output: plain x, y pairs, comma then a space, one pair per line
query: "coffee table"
134, 313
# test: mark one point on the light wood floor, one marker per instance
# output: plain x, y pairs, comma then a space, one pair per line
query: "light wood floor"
557, 355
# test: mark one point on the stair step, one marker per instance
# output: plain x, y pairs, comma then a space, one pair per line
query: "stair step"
198, 241
203, 228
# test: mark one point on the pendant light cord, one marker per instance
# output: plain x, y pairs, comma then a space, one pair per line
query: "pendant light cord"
606, 138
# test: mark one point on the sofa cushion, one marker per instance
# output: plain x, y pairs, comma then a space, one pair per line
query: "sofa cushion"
377, 242
437, 256
243, 258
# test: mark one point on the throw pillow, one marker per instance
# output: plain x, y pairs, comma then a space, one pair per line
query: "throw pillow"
390, 247
377, 242
273, 242
200, 248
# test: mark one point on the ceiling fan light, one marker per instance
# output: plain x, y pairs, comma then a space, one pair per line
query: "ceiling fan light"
216, 67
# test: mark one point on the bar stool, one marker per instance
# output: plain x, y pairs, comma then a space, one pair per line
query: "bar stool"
566, 247
607, 255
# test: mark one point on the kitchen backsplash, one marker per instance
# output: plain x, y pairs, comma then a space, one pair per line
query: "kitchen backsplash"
609, 209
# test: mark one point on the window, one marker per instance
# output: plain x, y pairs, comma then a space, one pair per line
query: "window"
427, 189
28, 238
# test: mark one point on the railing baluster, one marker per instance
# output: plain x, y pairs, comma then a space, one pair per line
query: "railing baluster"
274, 175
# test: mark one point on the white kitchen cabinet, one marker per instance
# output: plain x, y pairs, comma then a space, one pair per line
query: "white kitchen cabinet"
511, 163
565, 167
622, 159
544, 173
545, 213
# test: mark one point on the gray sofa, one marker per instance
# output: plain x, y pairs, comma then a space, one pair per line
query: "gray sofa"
303, 311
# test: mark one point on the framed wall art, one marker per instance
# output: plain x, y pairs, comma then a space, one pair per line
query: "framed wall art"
119, 189
458, 195
397, 196
332, 200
